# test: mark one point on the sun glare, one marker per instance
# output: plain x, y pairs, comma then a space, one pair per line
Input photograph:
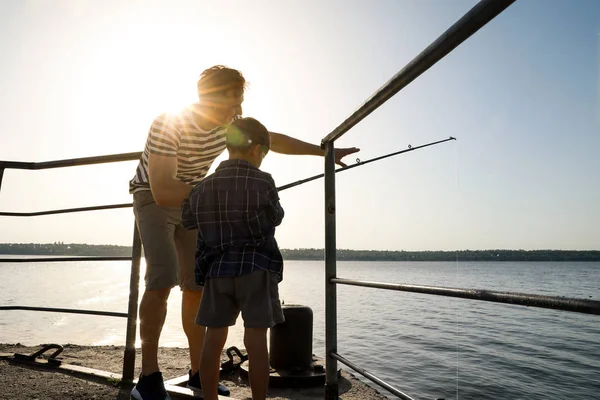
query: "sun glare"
176, 94
162, 72
163, 88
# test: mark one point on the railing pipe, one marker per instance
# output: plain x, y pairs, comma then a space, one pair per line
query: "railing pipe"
482, 13
64, 211
61, 259
71, 162
331, 381
132, 310
372, 377
65, 310
521, 299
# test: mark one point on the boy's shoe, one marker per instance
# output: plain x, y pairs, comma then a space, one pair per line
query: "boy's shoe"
194, 384
150, 387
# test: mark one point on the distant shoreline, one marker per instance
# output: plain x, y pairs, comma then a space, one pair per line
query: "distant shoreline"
79, 249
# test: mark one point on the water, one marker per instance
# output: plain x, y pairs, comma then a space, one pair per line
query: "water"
429, 347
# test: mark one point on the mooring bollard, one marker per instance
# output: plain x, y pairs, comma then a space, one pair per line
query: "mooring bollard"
291, 341
290, 351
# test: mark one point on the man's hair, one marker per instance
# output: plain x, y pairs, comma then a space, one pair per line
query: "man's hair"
220, 80
245, 132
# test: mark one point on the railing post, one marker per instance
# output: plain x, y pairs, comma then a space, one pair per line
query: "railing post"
134, 287
331, 381
1, 174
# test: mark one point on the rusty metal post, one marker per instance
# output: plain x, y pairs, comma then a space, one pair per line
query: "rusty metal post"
134, 288
331, 378
1, 175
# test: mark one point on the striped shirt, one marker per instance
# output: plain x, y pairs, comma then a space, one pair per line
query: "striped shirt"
235, 210
178, 135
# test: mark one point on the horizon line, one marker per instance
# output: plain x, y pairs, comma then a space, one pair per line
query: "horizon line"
322, 248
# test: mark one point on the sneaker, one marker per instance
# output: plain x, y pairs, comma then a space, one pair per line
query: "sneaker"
194, 384
150, 387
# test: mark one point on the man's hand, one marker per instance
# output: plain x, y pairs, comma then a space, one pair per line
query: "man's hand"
341, 153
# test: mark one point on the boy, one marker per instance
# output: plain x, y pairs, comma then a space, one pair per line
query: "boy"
238, 261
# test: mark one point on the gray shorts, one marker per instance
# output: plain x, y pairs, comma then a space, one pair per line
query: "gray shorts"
255, 294
169, 248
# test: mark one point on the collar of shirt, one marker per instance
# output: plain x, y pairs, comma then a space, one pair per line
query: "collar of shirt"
235, 163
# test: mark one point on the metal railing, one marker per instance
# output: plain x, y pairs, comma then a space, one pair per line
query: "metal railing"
471, 22
135, 258
129, 354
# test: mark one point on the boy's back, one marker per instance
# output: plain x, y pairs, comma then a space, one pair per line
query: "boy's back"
238, 262
235, 210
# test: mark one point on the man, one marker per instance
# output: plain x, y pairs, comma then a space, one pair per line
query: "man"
179, 152
238, 262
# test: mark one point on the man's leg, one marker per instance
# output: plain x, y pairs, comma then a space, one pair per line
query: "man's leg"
210, 361
255, 340
185, 242
156, 228
195, 333
153, 311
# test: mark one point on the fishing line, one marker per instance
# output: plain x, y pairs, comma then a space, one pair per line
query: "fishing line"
457, 268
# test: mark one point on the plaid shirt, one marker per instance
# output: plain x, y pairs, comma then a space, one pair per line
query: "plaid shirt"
235, 210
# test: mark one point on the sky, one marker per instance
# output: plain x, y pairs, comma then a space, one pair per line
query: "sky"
86, 78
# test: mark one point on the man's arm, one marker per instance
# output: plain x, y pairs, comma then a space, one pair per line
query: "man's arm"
167, 190
188, 219
284, 144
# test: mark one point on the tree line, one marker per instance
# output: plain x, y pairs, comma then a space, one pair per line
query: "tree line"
458, 255
64, 249
80, 249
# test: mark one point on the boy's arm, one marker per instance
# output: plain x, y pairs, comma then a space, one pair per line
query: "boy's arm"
275, 210
188, 219
279, 213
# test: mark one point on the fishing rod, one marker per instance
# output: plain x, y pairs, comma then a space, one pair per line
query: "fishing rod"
360, 163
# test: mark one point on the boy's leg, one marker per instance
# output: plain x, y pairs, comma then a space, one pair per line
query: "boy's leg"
255, 340
210, 361
218, 311
258, 296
